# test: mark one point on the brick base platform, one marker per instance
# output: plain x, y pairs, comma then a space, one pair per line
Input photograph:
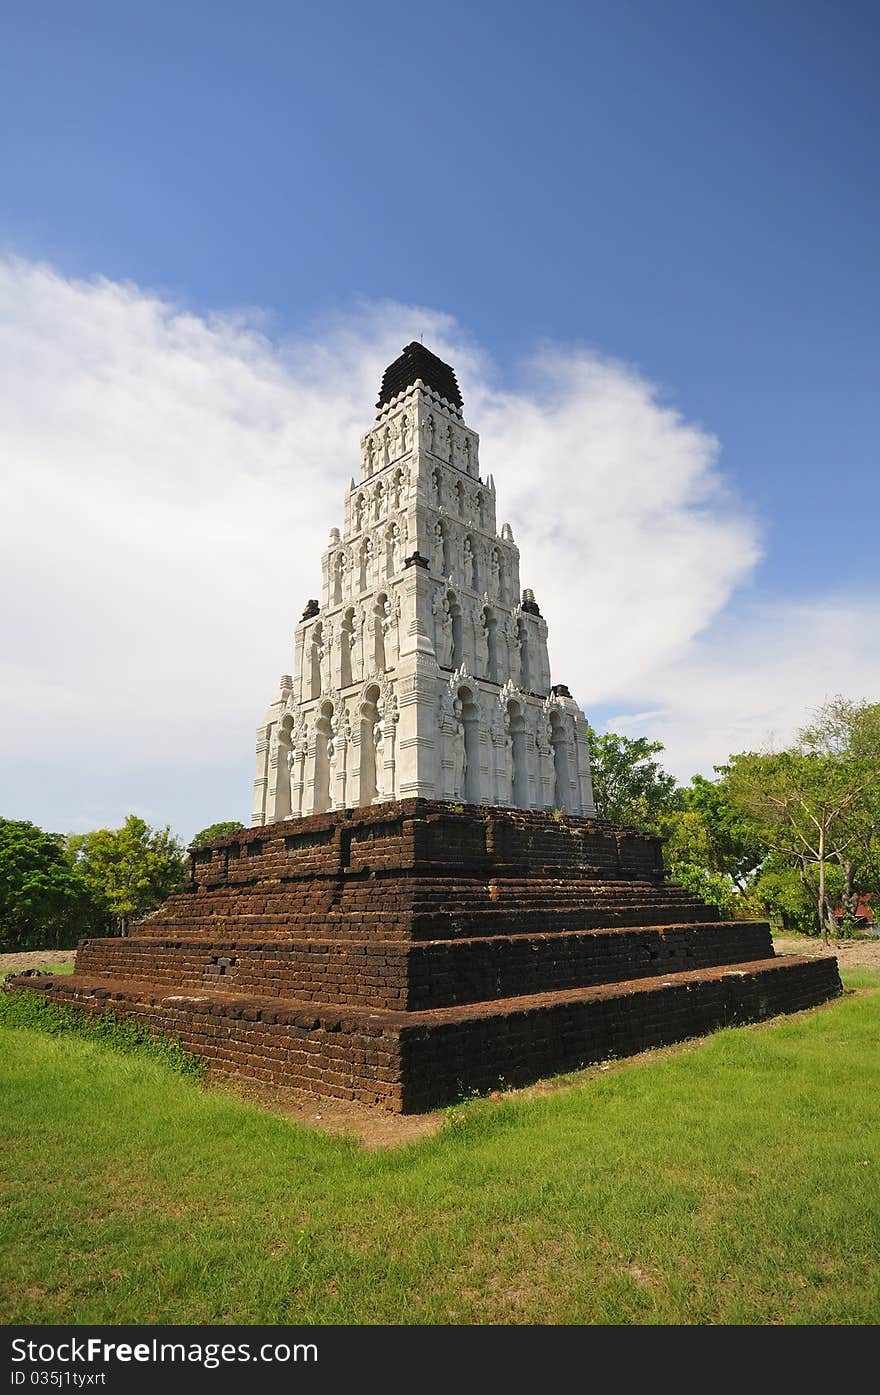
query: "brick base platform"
405, 954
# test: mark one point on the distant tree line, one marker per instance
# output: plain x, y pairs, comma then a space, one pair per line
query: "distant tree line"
55, 888
791, 834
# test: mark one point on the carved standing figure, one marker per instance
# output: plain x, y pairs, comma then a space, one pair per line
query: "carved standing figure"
446, 636
390, 634
454, 446
495, 575
325, 653
507, 768
469, 564
438, 558
379, 755
441, 441
394, 559
459, 752
428, 434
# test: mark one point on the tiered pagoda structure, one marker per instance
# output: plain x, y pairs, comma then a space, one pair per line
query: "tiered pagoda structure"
424, 672
426, 904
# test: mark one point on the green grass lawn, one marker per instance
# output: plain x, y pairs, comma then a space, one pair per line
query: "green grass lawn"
731, 1181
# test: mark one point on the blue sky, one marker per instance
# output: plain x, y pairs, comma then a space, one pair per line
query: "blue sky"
687, 188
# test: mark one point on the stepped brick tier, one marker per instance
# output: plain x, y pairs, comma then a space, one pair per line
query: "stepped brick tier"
409, 952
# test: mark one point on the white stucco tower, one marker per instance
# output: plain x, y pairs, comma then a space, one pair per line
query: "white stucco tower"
422, 672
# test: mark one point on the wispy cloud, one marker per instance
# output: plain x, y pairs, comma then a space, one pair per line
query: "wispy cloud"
169, 480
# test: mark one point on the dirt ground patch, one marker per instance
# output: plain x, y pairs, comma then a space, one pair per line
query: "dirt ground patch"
850, 954
371, 1126
35, 959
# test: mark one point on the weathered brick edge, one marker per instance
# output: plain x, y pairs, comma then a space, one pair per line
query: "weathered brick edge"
410, 1062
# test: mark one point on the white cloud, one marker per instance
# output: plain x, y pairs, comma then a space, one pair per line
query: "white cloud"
169, 480
755, 677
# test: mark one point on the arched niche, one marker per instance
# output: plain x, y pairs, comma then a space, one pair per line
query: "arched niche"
561, 761
377, 615
338, 576
397, 489
490, 622
364, 564
470, 716
323, 735
345, 647
369, 783
282, 773
472, 567
457, 629
525, 654
520, 754
392, 550
316, 646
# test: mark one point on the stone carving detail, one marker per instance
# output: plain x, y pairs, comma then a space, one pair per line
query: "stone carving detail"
459, 751
379, 756
404, 434
398, 630
391, 632
469, 564
395, 551
481, 638
495, 574
441, 440
443, 635
325, 654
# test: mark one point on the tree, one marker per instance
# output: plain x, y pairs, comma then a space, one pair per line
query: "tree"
733, 845
818, 803
787, 894
45, 902
850, 733
629, 787
131, 869
213, 832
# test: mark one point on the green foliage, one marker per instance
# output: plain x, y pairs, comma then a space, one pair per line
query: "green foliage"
712, 887
26, 1009
733, 844
130, 870
817, 804
629, 787
213, 832
45, 902
785, 896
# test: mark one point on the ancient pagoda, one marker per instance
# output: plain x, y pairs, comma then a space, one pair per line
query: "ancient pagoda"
427, 904
424, 672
